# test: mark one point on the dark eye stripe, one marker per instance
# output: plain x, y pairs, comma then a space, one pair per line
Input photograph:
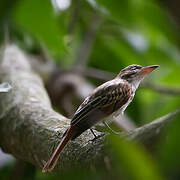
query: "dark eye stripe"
128, 75
135, 67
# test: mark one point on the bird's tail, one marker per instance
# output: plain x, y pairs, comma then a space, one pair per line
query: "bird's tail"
51, 163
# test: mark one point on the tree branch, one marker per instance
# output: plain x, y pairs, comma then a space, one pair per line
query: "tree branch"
161, 89
30, 129
149, 133
84, 50
106, 76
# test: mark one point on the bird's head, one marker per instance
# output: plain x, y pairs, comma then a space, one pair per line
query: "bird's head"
135, 73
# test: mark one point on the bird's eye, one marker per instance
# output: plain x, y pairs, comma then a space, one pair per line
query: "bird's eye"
136, 67
128, 75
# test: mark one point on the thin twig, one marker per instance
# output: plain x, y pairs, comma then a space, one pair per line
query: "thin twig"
75, 13
106, 76
151, 130
84, 50
124, 122
97, 74
161, 89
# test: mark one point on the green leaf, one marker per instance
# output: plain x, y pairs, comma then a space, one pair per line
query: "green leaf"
169, 149
38, 18
132, 161
145, 16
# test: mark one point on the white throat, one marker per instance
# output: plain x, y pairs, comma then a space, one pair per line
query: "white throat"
135, 84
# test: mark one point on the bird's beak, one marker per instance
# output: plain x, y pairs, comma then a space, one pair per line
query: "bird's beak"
147, 69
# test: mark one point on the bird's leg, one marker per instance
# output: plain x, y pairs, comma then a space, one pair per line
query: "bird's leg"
95, 136
107, 125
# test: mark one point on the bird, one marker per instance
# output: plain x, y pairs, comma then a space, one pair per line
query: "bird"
109, 99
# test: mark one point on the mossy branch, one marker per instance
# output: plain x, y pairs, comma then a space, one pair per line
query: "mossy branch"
30, 129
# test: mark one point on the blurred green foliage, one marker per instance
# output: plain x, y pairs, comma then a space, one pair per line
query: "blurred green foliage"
130, 32
41, 23
131, 160
169, 148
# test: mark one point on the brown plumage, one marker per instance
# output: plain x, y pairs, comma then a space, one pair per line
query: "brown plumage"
111, 97
103, 101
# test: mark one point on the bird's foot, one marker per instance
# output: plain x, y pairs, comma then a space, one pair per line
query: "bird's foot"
113, 131
95, 136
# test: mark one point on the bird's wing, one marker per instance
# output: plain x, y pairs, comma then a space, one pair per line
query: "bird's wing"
86, 107
105, 97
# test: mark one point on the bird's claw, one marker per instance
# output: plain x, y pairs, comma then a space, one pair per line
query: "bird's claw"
96, 137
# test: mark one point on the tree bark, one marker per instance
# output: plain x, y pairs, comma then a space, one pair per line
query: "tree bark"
30, 129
